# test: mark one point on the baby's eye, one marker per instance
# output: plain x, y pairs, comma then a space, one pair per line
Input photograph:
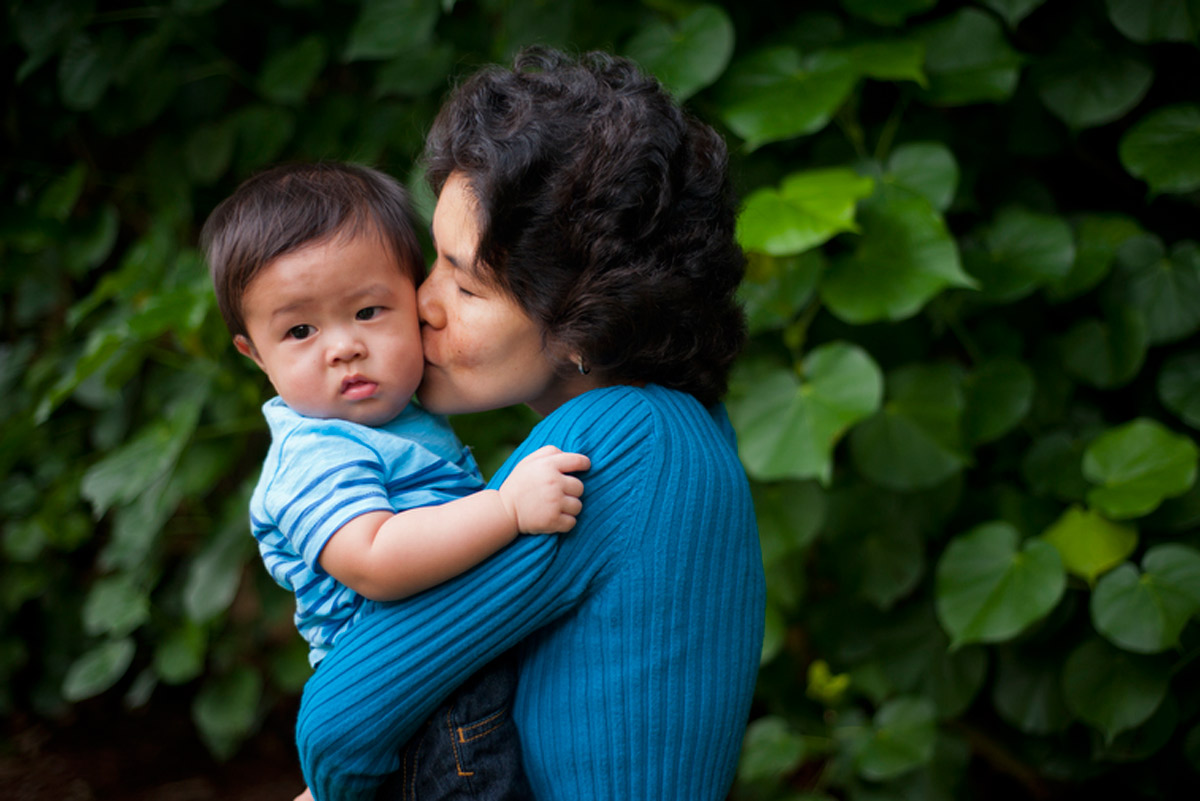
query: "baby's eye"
466, 292
367, 313
302, 331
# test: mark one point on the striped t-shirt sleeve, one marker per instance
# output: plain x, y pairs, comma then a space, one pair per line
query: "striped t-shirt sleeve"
322, 483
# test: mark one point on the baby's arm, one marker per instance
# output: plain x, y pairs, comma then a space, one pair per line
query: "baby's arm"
385, 556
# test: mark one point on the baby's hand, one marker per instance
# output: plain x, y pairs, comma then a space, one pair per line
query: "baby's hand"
540, 496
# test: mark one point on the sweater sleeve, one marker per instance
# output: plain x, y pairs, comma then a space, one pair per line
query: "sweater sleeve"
393, 667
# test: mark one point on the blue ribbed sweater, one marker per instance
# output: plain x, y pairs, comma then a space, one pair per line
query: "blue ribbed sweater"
640, 629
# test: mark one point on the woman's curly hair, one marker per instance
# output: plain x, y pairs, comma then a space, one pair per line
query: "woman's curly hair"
606, 213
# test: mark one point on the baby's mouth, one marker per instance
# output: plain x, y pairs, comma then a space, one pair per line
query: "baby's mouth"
357, 388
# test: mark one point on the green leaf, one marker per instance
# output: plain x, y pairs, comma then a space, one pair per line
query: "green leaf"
1098, 237
1166, 290
1018, 252
1163, 149
955, 678
1085, 84
416, 72
137, 525
788, 428
688, 55
904, 257
770, 750
94, 242
1156, 20
968, 60
999, 394
789, 515
914, 442
43, 28
209, 151
1106, 354
1013, 11
892, 563
927, 168
1089, 544
1137, 465
86, 69
775, 290
861, 518
195, 7
226, 709
262, 133
98, 669
1113, 690
902, 739
887, 12
1179, 386
775, 94
101, 349
1028, 692
289, 666
1191, 747
1139, 744
1146, 612
179, 656
124, 474
886, 60
289, 73
387, 28
774, 633
906, 652
116, 605
58, 199
214, 574
988, 590
807, 209
823, 686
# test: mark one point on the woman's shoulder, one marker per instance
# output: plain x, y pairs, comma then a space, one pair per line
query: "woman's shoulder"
622, 416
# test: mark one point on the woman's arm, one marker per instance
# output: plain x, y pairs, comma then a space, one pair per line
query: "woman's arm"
392, 668
395, 665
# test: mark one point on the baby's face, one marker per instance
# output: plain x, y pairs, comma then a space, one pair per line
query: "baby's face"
334, 326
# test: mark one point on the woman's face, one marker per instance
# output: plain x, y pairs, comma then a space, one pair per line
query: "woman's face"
481, 350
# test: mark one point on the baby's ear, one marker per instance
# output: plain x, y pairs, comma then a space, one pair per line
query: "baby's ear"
246, 348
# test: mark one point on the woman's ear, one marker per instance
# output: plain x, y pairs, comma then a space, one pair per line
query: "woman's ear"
246, 348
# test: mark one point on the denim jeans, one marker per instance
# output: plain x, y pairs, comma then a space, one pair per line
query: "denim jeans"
468, 749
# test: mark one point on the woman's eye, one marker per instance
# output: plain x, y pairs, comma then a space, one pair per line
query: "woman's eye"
302, 331
464, 291
367, 313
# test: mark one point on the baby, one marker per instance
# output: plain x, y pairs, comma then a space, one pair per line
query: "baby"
364, 496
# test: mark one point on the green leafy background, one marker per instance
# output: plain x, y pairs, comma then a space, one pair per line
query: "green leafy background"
968, 408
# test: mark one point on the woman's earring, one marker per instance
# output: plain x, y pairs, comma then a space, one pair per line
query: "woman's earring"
582, 369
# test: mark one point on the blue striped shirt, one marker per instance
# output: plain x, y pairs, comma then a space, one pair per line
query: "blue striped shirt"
320, 474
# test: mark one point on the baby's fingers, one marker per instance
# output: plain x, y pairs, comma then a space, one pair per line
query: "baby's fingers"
571, 462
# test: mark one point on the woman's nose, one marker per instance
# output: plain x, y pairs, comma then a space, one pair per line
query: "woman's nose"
429, 304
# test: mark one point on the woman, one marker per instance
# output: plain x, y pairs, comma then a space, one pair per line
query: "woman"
586, 266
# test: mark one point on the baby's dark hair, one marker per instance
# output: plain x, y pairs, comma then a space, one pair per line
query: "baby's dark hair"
606, 213
286, 208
